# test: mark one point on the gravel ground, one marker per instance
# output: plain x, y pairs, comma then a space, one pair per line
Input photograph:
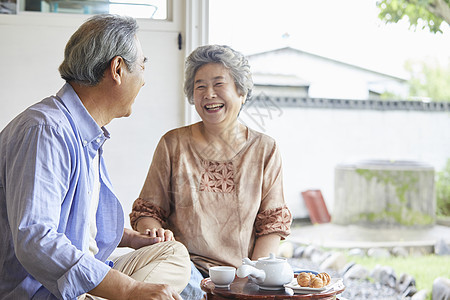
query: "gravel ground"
354, 289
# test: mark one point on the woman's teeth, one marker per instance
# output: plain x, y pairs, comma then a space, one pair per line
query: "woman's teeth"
213, 106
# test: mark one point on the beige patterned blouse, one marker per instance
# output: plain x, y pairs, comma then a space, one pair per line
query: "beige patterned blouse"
215, 208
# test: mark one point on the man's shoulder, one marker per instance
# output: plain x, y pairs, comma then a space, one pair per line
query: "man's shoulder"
48, 112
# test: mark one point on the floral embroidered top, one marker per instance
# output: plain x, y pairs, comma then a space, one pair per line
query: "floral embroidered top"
215, 208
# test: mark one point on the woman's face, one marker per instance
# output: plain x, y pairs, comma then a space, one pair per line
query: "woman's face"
216, 97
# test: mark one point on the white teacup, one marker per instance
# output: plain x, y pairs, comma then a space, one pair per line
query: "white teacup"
222, 276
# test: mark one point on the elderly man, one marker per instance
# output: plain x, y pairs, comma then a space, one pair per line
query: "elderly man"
60, 219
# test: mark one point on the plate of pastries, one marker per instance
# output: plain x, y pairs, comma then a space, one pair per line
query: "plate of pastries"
307, 282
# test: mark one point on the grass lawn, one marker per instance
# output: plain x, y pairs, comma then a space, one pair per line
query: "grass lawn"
423, 268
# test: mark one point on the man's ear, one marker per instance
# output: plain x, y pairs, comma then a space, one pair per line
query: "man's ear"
117, 66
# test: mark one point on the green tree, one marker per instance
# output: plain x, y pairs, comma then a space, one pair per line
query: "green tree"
443, 191
429, 80
421, 13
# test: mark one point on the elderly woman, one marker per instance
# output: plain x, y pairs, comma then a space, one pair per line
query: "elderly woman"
216, 185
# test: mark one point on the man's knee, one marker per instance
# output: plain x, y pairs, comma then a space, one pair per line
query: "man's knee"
180, 255
179, 249
169, 249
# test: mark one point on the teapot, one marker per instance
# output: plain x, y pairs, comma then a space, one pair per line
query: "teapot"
269, 273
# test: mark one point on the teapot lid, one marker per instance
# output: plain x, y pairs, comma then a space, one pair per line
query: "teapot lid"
271, 259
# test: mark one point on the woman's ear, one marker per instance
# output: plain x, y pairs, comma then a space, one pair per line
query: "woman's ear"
243, 99
116, 67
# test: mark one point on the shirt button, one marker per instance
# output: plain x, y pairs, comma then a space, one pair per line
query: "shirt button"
85, 142
97, 140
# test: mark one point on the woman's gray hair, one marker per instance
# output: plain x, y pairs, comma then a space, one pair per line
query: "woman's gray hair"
92, 47
231, 59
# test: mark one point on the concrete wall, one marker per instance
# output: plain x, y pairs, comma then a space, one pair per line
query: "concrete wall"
314, 140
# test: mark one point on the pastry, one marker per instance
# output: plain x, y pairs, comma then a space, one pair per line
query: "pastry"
325, 278
316, 282
304, 278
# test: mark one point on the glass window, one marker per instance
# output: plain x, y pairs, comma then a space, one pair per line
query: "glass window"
148, 9
8, 7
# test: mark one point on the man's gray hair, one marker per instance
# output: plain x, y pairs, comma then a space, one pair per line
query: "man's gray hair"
91, 48
234, 61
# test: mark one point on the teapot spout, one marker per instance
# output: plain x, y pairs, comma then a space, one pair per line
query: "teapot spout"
247, 261
247, 270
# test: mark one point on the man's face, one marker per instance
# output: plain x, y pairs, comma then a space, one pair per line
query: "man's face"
133, 81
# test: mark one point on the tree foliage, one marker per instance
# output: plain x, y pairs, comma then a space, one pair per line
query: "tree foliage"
443, 191
429, 80
421, 13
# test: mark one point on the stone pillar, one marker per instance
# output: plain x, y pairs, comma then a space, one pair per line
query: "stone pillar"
384, 193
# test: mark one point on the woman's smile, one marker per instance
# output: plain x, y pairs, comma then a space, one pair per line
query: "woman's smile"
214, 107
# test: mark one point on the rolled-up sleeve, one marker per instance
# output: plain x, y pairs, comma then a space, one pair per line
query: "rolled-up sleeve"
86, 274
277, 220
142, 208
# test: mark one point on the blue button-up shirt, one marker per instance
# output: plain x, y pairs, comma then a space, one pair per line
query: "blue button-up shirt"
46, 182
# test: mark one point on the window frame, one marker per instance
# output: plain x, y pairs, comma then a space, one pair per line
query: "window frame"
69, 20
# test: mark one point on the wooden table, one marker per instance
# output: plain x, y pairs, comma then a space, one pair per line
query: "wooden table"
243, 288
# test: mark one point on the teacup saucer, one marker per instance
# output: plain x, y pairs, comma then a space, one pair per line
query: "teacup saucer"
222, 285
271, 288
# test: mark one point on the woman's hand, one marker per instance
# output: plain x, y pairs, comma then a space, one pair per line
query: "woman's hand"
150, 231
136, 240
164, 234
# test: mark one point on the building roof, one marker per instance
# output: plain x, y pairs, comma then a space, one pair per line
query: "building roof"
324, 77
279, 80
294, 51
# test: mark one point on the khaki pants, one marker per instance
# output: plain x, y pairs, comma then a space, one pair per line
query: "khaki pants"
166, 263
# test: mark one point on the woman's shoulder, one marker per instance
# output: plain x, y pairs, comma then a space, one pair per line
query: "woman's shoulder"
260, 144
176, 139
178, 133
260, 138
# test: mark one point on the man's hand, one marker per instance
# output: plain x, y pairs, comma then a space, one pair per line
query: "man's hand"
153, 291
117, 285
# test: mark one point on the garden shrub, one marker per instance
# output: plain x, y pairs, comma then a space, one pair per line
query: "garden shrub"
443, 191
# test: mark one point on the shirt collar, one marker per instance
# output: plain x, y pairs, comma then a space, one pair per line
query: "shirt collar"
89, 130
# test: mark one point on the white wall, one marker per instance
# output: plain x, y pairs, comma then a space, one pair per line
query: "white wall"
32, 46
32, 50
